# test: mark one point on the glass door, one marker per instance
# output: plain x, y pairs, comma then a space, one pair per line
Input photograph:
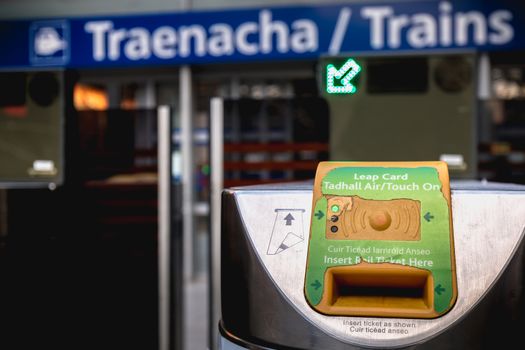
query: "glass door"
129, 126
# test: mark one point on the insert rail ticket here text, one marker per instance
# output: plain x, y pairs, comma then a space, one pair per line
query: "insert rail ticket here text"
392, 255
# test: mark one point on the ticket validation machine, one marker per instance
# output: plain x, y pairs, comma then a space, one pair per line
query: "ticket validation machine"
373, 255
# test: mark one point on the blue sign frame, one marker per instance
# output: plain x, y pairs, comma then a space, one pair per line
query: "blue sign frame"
263, 34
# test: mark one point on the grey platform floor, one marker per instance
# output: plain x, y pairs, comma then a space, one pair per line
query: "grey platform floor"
196, 314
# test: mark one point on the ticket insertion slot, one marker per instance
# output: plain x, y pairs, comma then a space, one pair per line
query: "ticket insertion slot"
365, 289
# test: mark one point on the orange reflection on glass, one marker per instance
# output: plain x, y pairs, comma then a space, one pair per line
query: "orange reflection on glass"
87, 97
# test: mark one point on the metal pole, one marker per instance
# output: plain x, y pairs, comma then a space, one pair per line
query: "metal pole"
186, 148
216, 181
164, 221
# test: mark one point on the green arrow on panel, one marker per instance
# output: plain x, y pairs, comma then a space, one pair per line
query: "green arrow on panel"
338, 80
316, 284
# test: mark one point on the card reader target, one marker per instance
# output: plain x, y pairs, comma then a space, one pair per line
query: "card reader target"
361, 219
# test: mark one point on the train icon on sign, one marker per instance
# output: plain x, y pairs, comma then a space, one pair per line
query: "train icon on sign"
49, 43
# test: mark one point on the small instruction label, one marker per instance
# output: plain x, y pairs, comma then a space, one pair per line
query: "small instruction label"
403, 327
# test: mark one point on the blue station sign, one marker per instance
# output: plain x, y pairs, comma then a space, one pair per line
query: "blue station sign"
263, 34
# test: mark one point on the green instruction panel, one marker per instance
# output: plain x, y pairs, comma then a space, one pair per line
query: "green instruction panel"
392, 221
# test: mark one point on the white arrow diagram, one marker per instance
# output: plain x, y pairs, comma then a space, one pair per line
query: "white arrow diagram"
287, 230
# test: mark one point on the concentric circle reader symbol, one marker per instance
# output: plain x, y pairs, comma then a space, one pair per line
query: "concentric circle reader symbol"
287, 230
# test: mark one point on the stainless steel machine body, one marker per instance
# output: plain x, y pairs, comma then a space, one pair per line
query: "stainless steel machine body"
265, 233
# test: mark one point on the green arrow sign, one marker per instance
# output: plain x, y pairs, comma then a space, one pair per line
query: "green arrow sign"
439, 289
316, 284
338, 80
